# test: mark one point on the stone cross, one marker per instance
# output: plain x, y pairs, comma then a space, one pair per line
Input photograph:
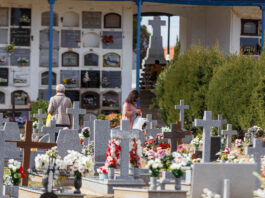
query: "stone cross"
27, 145
207, 123
228, 132
150, 124
52, 130
75, 111
257, 151
2, 120
220, 128
90, 123
182, 108
188, 136
125, 135
40, 116
175, 134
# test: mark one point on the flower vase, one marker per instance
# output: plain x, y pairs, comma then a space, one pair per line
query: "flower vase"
77, 185
103, 176
45, 182
85, 141
153, 183
178, 183
12, 191
136, 173
111, 173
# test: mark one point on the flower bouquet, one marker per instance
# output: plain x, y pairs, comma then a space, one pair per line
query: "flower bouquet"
223, 154
108, 39
239, 145
135, 153
102, 171
16, 172
24, 19
69, 81
154, 165
113, 153
89, 149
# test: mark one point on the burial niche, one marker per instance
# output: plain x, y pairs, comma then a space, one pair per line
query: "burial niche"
90, 100
111, 60
112, 20
91, 39
4, 16
91, 59
19, 98
90, 79
70, 19
2, 98
70, 59
70, 78
91, 20
110, 99
45, 19
21, 16
3, 76
45, 78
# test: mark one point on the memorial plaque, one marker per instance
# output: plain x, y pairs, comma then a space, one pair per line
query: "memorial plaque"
111, 60
44, 57
45, 19
4, 16
4, 60
3, 36
21, 16
44, 94
90, 100
90, 79
18, 54
45, 78
70, 78
20, 36
3, 76
44, 39
20, 76
117, 38
91, 20
20, 98
73, 95
91, 39
111, 99
70, 19
91, 59
70, 59
70, 38
112, 20
2, 98
111, 79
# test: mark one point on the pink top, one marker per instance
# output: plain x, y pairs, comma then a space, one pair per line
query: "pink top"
128, 113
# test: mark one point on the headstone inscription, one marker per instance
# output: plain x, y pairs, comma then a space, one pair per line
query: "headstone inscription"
89, 122
3, 76
52, 131
40, 116
20, 36
91, 20
44, 58
215, 147
27, 145
220, 128
4, 15
207, 123
111, 79
4, 57
90, 100
20, 76
18, 54
90, 79
70, 38
91, 59
44, 39
229, 132
3, 36
76, 111
117, 37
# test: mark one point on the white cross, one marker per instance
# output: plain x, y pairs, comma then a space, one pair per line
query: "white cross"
182, 108
207, 123
228, 132
40, 116
75, 111
220, 128
52, 130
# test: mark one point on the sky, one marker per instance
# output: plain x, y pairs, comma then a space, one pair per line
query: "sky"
174, 29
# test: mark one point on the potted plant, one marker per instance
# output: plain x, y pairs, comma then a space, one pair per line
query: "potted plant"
22, 61
86, 133
154, 165
103, 172
35, 126
135, 156
10, 48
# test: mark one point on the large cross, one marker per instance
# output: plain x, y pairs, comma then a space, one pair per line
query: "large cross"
220, 128
182, 108
27, 145
257, 151
52, 130
40, 116
76, 111
175, 134
156, 25
228, 132
207, 123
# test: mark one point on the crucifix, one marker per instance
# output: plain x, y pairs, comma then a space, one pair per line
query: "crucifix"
75, 111
27, 145
228, 132
40, 116
182, 108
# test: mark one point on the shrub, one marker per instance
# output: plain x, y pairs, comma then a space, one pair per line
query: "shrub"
40, 104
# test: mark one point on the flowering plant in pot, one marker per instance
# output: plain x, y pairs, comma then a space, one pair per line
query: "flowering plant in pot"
135, 156
85, 134
154, 165
103, 172
22, 61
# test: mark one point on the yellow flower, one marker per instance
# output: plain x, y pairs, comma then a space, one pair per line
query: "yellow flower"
64, 81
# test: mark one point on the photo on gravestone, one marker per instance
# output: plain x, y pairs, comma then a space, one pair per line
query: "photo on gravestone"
45, 78
45, 19
3, 76
20, 76
44, 39
21, 16
20, 57
111, 60
91, 20
70, 38
70, 19
70, 78
91, 59
73, 95
111, 79
44, 57
20, 98
3, 36
4, 15
4, 57
111, 99
44, 94
70, 59
91, 39
112, 40
2, 98
90, 79
20, 36
90, 100
112, 20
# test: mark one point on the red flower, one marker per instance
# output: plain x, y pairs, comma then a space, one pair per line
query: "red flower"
21, 170
81, 141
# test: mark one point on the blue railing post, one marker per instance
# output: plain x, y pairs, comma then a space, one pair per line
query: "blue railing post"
138, 45
263, 27
168, 40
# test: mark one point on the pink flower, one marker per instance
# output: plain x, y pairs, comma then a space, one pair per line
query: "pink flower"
180, 148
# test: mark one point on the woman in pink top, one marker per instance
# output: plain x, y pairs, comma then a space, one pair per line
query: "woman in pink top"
129, 107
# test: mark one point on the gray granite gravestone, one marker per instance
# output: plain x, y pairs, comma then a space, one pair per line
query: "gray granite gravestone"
89, 122
2, 120
220, 128
117, 37
40, 116
91, 20
3, 36
68, 140
76, 111
4, 15
20, 53
4, 57
2, 157
44, 39
229, 132
207, 123
69, 38
52, 130
44, 57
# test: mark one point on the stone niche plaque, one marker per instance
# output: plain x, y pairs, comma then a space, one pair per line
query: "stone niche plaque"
111, 99
111, 79
3, 36
20, 36
91, 59
44, 57
73, 95
20, 76
117, 37
91, 39
70, 19
111, 60
90, 79
45, 78
4, 16
20, 98
3, 76
90, 100
112, 20
91, 20
4, 60
70, 59
70, 38
44, 39
44, 94
21, 16
20, 53
45, 19
70, 78
2, 98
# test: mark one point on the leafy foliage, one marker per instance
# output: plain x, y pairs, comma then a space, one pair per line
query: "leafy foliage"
40, 104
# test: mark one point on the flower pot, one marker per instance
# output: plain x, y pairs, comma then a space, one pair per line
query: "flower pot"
77, 185
111, 173
136, 173
45, 182
178, 183
103, 176
153, 183
12, 191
